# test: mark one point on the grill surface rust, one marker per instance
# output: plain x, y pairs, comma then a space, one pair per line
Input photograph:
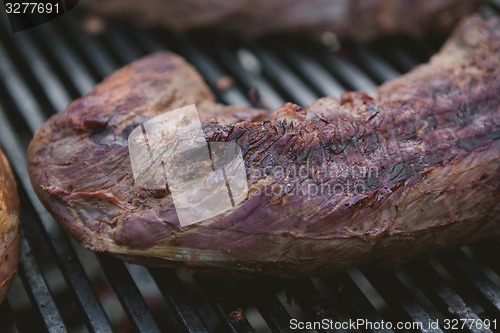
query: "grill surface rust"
62, 288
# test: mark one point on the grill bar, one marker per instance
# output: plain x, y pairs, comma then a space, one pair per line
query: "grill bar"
211, 72
69, 62
322, 81
227, 308
119, 43
402, 58
89, 47
39, 291
274, 313
377, 67
441, 293
52, 88
130, 297
474, 280
275, 69
171, 287
312, 303
250, 77
347, 72
19, 92
400, 300
79, 76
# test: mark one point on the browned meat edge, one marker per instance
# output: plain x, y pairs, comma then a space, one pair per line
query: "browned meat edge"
421, 155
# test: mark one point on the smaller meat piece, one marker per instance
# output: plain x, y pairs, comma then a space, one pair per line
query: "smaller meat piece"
9, 226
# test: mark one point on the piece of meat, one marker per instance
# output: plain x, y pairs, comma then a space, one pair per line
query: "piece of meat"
346, 19
9, 226
378, 179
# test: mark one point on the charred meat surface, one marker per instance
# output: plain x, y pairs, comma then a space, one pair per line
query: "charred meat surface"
343, 19
9, 226
370, 179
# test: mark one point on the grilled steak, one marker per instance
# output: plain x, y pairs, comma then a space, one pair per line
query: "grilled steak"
347, 19
9, 226
370, 179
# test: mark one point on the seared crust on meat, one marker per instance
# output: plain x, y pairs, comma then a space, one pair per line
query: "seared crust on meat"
380, 179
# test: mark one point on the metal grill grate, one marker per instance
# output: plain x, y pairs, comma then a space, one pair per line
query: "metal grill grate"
62, 288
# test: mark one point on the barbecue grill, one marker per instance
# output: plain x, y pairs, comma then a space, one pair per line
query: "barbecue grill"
63, 288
